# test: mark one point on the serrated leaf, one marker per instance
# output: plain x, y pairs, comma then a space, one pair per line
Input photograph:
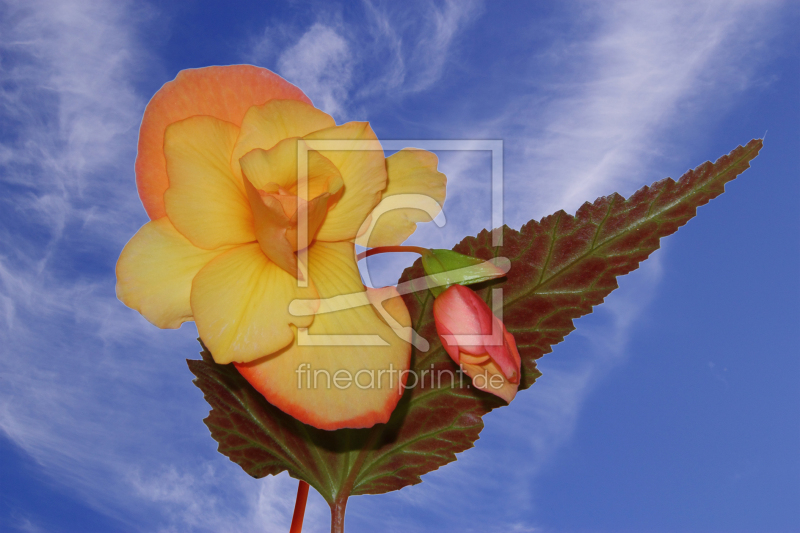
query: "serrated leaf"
561, 267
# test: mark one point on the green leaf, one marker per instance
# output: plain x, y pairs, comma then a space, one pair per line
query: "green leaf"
446, 268
561, 267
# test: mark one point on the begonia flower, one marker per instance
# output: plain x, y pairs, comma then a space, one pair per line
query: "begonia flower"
217, 172
477, 341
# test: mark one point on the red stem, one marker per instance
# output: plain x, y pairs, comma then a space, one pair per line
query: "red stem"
385, 249
299, 508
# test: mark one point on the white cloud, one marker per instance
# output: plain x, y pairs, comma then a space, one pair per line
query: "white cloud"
321, 64
417, 41
98, 398
347, 66
431, 51
627, 81
644, 69
103, 401
74, 117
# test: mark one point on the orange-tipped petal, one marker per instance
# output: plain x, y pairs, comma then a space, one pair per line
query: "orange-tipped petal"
488, 377
266, 125
204, 201
240, 302
287, 379
223, 92
411, 173
359, 157
155, 272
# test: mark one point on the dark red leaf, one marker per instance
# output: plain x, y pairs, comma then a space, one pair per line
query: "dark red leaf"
561, 267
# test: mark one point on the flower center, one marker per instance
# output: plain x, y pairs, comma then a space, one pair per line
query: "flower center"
288, 207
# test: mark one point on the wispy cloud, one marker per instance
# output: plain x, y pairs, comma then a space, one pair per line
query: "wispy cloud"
73, 117
606, 110
321, 62
99, 399
608, 104
598, 110
390, 50
417, 41
612, 99
103, 401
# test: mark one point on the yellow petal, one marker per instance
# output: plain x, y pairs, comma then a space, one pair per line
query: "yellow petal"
313, 213
368, 385
240, 303
415, 193
266, 125
359, 158
223, 92
155, 272
205, 201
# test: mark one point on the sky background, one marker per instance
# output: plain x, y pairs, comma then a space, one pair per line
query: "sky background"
675, 407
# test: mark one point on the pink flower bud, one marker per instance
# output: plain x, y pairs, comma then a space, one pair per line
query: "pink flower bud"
478, 341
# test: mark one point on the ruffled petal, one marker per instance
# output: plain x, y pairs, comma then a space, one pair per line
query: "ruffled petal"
369, 363
279, 209
415, 193
155, 272
359, 158
204, 201
271, 225
276, 168
266, 125
222, 92
240, 302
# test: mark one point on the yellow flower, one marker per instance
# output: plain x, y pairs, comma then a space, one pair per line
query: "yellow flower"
217, 172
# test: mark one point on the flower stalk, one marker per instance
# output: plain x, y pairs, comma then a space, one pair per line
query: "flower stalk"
299, 508
387, 249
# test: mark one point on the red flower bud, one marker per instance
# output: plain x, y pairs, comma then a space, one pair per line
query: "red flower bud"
478, 341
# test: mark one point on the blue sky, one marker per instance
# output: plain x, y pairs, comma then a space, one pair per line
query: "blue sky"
674, 407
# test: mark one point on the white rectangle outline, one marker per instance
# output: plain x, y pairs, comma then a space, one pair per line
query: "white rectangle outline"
322, 145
